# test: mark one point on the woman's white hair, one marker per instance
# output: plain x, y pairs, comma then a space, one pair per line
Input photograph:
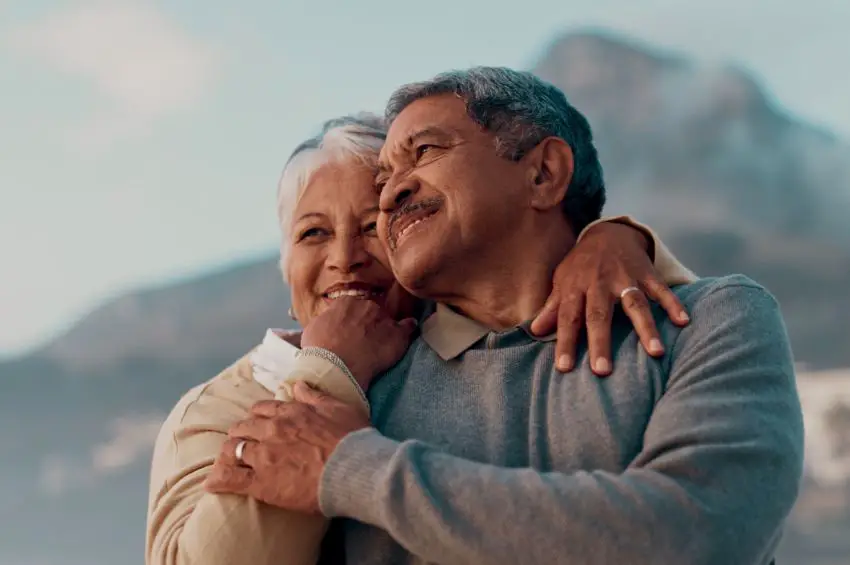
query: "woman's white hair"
356, 138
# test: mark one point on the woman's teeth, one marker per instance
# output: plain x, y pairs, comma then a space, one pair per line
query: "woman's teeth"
355, 293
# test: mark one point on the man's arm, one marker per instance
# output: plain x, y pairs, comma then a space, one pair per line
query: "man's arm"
718, 474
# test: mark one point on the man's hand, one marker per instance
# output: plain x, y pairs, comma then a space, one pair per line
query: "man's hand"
611, 258
287, 446
362, 334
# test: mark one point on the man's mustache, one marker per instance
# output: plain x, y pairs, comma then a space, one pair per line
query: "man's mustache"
406, 210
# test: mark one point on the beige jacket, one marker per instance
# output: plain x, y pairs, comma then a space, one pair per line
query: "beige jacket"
187, 526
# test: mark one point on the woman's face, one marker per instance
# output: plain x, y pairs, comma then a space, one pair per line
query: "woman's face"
335, 249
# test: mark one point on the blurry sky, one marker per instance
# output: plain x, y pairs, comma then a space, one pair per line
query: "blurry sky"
141, 140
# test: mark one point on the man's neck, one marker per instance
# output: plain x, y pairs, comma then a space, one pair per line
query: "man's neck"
511, 286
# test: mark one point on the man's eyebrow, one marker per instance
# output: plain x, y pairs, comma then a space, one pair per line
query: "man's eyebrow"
410, 141
428, 131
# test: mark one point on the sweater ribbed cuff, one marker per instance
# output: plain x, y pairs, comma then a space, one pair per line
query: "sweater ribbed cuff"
351, 481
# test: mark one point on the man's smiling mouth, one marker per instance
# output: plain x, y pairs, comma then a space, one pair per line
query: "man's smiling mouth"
404, 220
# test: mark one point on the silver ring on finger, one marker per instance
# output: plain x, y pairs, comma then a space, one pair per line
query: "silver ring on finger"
627, 290
240, 451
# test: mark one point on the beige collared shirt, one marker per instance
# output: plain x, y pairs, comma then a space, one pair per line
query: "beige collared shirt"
187, 526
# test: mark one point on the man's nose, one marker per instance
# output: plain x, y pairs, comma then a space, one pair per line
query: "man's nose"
348, 254
395, 195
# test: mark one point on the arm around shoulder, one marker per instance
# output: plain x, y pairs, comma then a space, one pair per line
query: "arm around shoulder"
671, 270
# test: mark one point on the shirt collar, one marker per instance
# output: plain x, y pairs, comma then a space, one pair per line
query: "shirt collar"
449, 333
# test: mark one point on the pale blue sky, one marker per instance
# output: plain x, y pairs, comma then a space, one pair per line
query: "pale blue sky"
141, 140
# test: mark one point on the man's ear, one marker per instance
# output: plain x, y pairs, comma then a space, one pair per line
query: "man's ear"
550, 170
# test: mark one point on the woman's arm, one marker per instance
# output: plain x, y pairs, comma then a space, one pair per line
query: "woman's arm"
611, 255
187, 525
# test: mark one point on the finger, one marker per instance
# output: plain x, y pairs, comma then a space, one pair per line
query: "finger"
544, 322
598, 316
229, 479
268, 408
304, 393
570, 316
319, 402
254, 428
408, 326
662, 294
227, 455
636, 306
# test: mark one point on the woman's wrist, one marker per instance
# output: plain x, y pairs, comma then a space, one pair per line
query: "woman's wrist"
337, 361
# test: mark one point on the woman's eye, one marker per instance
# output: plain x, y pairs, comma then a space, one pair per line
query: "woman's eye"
370, 228
311, 233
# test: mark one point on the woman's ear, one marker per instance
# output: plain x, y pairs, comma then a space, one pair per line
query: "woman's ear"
550, 166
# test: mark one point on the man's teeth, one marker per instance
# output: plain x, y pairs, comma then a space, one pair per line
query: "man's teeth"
409, 227
356, 293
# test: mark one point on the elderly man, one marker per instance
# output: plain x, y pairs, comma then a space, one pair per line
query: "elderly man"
479, 451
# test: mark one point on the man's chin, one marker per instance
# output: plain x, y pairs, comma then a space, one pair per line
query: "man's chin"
415, 269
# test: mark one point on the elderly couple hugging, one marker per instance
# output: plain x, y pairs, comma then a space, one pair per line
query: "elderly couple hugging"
442, 405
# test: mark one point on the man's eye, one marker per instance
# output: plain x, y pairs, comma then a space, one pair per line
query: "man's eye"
422, 149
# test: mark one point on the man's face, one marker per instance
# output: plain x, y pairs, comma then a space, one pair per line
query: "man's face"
447, 197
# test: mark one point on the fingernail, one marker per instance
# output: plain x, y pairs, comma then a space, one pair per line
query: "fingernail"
565, 362
655, 346
684, 318
602, 365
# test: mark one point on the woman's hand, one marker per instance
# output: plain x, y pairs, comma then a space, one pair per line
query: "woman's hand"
362, 334
610, 263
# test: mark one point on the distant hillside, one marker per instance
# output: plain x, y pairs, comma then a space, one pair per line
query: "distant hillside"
703, 154
728, 179
216, 316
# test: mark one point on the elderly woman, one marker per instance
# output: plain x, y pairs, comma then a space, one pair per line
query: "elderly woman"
327, 208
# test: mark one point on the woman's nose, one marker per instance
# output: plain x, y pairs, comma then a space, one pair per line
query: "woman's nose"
348, 254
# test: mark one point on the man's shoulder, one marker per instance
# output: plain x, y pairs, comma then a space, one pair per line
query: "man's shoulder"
729, 307
728, 288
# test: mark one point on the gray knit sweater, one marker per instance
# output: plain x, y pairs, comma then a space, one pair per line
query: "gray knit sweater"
495, 457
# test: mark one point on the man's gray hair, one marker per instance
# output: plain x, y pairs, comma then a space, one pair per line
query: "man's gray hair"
357, 138
521, 110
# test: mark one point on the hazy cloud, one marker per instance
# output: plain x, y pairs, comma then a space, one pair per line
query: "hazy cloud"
145, 65
132, 438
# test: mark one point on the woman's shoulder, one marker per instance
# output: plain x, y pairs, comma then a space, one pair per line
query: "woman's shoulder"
225, 398
198, 423
215, 405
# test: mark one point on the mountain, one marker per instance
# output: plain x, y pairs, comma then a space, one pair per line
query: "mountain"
730, 180
213, 317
